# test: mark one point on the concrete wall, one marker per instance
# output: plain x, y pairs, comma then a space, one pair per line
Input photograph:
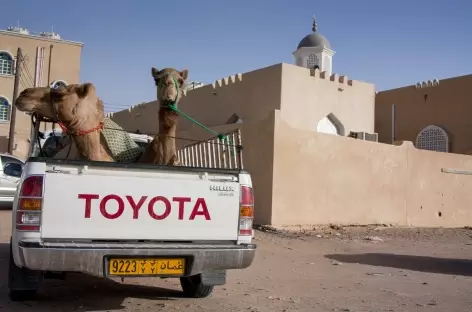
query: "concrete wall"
304, 97
305, 178
320, 179
252, 96
308, 96
258, 142
446, 105
65, 65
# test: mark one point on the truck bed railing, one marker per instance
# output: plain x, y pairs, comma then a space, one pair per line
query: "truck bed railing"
214, 153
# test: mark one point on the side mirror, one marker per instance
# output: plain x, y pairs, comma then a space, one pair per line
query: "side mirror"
13, 170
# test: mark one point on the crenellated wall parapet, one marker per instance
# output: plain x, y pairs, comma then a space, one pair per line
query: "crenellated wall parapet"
250, 96
342, 79
427, 84
134, 109
253, 95
227, 82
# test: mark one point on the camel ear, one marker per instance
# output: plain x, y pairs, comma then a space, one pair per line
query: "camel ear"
184, 74
155, 73
85, 89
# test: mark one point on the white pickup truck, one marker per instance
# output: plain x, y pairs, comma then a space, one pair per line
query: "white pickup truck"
129, 220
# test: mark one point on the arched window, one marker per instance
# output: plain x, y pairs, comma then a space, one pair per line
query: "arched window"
59, 84
433, 138
312, 61
6, 63
330, 125
4, 109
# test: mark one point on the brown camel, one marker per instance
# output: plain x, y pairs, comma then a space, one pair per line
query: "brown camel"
162, 150
80, 113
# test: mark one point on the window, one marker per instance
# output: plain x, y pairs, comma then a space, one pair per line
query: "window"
6, 64
433, 138
312, 61
13, 170
330, 125
4, 109
7, 160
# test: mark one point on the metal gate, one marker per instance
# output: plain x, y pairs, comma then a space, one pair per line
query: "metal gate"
214, 152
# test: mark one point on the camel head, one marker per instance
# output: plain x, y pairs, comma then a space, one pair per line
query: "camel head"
169, 83
76, 106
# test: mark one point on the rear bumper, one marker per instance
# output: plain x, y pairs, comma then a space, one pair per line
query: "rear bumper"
91, 257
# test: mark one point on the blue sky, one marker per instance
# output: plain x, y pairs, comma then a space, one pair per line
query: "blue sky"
389, 43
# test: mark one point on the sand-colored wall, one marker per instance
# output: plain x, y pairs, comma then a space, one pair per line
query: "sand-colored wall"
308, 96
320, 179
303, 96
446, 105
258, 142
252, 96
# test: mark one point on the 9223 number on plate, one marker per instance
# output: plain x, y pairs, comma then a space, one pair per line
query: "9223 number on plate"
147, 266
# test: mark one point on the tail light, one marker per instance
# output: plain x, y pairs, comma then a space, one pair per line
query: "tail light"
246, 211
30, 200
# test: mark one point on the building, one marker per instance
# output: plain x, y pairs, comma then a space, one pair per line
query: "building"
48, 60
344, 105
314, 52
300, 127
433, 114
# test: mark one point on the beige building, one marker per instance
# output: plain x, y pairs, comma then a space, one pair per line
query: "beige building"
433, 114
306, 168
307, 99
308, 96
48, 61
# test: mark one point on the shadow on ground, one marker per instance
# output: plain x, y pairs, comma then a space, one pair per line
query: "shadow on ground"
80, 292
415, 263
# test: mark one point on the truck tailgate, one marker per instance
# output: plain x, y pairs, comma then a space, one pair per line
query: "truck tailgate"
145, 205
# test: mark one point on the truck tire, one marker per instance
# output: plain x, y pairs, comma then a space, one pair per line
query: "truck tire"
193, 287
23, 283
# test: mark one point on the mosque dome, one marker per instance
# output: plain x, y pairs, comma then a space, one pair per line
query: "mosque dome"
314, 40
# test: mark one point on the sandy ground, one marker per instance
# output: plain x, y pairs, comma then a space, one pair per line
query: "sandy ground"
327, 269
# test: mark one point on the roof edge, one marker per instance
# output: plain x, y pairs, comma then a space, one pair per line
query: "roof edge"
36, 37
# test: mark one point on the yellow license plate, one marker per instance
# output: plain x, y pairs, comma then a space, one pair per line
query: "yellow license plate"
146, 266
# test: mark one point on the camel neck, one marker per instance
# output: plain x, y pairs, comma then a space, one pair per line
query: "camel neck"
88, 145
167, 131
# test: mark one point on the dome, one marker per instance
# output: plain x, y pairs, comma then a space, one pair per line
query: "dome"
314, 40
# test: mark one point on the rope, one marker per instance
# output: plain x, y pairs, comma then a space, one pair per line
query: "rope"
237, 146
174, 108
178, 111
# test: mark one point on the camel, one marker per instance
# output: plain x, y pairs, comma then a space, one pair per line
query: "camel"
162, 150
80, 112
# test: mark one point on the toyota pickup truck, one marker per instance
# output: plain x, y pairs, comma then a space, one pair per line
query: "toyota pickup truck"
129, 220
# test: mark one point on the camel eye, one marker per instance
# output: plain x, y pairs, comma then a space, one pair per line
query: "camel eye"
181, 81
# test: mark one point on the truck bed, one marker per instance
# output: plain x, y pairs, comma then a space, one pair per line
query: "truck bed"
106, 201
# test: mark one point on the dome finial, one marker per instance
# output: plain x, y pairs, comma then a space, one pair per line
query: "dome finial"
314, 24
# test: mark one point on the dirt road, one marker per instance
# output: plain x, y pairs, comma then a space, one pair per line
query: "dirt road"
348, 269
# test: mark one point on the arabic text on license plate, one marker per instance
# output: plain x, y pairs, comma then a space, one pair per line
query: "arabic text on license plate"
146, 266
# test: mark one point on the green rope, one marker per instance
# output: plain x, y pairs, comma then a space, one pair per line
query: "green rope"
174, 108
178, 111
220, 136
